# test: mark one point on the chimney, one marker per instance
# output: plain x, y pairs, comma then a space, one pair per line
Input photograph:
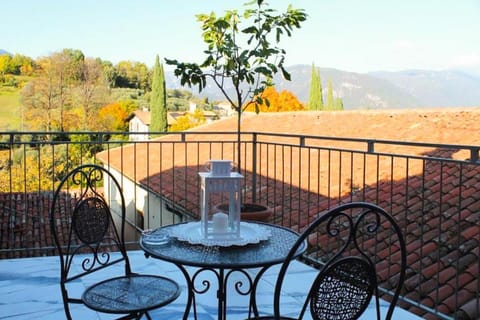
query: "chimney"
193, 106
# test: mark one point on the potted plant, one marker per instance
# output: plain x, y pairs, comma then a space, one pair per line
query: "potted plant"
242, 53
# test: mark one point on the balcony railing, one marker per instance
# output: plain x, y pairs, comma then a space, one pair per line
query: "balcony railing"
432, 190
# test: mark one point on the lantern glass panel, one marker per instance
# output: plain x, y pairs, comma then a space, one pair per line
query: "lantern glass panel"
217, 190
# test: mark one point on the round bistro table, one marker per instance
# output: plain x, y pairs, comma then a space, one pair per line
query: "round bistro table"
224, 261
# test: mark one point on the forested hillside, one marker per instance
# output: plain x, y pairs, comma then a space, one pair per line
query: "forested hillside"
67, 91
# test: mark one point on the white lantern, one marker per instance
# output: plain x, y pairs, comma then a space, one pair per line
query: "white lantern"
219, 186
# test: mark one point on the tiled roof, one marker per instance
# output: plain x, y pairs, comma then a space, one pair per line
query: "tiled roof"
143, 115
427, 230
24, 224
447, 125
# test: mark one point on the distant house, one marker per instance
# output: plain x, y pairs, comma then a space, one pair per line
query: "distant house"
224, 109
210, 116
139, 122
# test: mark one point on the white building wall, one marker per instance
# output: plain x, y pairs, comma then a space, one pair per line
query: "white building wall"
136, 125
138, 200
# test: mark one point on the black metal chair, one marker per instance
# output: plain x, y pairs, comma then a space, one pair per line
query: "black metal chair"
347, 245
87, 240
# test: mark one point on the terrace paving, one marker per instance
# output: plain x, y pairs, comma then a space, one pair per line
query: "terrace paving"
29, 289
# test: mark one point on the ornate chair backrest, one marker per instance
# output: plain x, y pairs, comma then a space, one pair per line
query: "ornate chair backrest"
83, 227
358, 248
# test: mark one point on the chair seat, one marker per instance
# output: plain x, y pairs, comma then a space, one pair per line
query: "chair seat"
131, 294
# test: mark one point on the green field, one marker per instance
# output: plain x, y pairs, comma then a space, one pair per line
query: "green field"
10, 111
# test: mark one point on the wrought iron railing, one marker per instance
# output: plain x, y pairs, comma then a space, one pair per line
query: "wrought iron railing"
432, 190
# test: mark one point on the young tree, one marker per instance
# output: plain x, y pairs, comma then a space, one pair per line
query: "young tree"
241, 51
39, 98
89, 89
315, 100
158, 100
63, 69
45, 97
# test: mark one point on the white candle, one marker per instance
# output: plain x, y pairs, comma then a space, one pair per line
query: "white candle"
220, 222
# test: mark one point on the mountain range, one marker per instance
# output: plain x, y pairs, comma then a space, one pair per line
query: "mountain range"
376, 90
373, 90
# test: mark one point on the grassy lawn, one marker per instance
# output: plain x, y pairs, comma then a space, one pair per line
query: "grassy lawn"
10, 112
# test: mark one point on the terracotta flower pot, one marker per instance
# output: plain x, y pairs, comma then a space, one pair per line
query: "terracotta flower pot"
250, 211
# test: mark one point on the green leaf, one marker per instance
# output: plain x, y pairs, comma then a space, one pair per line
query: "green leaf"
285, 74
249, 30
221, 24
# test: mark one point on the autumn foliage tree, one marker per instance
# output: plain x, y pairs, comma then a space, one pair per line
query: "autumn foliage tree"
188, 121
113, 116
16, 65
40, 168
274, 101
90, 90
132, 75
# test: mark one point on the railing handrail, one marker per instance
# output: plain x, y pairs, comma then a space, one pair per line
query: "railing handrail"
370, 144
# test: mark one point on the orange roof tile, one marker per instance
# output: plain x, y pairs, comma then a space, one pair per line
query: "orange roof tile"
429, 211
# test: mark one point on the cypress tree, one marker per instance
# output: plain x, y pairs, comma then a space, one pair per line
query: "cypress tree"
338, 103
315, 100
158, 99
330, 100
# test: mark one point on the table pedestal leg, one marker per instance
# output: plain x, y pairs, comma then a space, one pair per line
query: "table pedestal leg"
222, 296
222, 289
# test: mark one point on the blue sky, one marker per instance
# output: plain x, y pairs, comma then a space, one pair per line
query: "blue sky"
351, 35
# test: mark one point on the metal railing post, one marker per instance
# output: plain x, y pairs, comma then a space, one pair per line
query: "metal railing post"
371, 146
254, 168
474, 155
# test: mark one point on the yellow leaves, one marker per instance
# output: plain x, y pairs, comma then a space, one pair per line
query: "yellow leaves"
4, 63
274, 101
188, 121
113, 116
29, 169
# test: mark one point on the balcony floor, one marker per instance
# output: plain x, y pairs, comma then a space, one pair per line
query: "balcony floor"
29, 289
